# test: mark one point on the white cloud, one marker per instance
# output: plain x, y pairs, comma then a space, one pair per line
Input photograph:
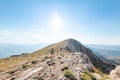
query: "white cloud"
36, 36
30, 37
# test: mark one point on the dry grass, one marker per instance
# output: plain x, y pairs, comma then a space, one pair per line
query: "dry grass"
10, 62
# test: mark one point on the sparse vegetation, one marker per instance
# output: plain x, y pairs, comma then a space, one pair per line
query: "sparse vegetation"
105, 78
36, 78
14, 61
82, 78
103, 75
69, 74
50, 62
98, 71
13, 78
90, 75
73, 54
59, 57
34, 61
12, 72
25, 66
61, 62
45, 58
64, 68
87, 76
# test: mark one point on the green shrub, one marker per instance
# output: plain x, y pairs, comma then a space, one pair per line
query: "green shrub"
61, 62
64, 68
36, 78
69, 74
87, 76
13, 78
45, 58
104, 78
34, 62
12, 72
59, 57
25, 65
90, 75
82, 78
50, 64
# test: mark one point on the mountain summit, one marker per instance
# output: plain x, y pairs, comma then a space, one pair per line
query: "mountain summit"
72, 46
67, 59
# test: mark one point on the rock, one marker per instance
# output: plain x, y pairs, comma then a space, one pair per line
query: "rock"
73, 46
115, 74
98, 76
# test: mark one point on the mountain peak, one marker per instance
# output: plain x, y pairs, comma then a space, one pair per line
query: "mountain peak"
71, 45
71, 39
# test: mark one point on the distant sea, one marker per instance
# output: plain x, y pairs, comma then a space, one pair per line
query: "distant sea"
7, 50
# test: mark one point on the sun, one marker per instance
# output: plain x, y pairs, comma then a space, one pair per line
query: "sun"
56, 22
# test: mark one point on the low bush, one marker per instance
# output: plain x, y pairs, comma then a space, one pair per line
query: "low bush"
25, 65
61, 62
87, 76
51, 63
45, 58
64, 68
36, 78
59, 57
69, 74
34, 62
12, 72
82, 78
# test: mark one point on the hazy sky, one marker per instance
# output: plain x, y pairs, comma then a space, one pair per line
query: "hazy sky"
89, 21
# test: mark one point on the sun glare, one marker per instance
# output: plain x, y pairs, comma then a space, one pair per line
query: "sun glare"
56, 22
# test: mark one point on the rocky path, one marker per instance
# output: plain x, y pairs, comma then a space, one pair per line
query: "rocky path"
29, 72
52, 69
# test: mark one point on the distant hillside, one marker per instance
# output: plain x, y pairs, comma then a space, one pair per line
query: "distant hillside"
107, 53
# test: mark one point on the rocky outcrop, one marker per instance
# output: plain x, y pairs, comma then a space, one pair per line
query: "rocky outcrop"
71, 45
115, 74
58, 67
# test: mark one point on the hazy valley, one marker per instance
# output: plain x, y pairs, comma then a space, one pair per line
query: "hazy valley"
107, 53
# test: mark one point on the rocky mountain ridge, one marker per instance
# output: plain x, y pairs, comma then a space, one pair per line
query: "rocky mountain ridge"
71, 45
69, 60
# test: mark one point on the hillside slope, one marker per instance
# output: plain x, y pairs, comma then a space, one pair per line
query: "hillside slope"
72, 46
108, 53
69, 60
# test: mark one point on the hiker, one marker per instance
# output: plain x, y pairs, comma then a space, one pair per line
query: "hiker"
52, 52
60, 50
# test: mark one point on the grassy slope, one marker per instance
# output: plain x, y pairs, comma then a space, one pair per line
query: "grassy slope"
10, 62
14, 61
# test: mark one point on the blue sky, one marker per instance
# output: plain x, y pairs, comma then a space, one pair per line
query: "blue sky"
89, 21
